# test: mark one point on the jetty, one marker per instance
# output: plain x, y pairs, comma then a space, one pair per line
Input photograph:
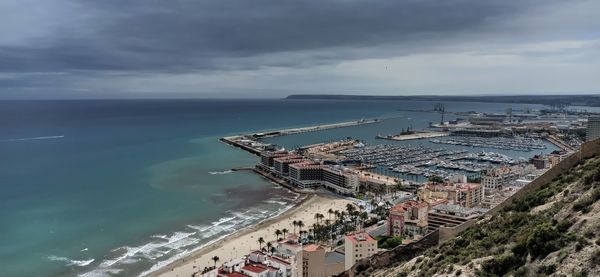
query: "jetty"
413, 135
252, 143
315, 128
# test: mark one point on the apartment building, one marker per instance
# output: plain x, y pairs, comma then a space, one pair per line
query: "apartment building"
358, 246
408, 219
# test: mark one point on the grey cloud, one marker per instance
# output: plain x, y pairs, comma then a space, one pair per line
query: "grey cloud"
113, 44
194, 35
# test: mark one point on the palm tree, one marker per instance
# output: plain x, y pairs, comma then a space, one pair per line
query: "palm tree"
330, 212
295, 223
269, 246
350, 208
363, 216
284, 231
260, 242
435, 179
272, 249
215, 259
321, 216
277, 234
300, 224
399, 186
329, 229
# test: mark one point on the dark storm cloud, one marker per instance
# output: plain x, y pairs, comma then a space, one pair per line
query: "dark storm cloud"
182, 36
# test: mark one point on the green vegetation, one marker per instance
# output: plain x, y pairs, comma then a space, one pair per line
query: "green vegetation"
388, 242
584, 203
512, 238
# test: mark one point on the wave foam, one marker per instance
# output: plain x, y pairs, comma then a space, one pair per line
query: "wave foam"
70, 262
163, 250
220, 172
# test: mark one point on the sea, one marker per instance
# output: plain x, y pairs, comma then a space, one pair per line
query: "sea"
124, 187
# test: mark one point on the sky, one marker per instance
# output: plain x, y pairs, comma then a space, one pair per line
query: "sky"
57, 49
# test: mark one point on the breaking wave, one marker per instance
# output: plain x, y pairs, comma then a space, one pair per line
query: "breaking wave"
163, 249
220, 172
70, 262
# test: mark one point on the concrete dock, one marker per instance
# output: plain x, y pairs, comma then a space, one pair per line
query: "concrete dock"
417, 135
252, 144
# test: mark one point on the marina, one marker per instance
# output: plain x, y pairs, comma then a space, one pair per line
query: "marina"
506, 143
425, 161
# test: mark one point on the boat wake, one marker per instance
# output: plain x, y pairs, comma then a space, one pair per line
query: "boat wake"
220, 172
70, 262
35, 138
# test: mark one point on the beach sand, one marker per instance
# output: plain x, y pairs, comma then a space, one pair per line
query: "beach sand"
244, 241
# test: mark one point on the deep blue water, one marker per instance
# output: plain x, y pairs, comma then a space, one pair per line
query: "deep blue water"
119, 186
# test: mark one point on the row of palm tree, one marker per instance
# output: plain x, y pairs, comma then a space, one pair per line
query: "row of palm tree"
282, 233
298, 223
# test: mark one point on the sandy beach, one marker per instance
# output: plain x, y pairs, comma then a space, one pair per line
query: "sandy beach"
244, 241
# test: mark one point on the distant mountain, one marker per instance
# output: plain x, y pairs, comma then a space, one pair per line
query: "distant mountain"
592, 100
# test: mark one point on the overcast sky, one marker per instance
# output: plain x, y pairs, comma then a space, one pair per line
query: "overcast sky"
259, 48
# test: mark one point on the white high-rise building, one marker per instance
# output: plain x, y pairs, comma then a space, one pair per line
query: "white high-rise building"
593, 128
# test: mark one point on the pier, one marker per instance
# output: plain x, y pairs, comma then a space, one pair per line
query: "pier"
234, 141
415, 135
252, 143
315, 128
560, 144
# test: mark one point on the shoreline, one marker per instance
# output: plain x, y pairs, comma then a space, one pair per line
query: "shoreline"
198, 259
236, 234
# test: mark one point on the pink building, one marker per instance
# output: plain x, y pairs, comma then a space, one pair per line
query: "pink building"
408, 219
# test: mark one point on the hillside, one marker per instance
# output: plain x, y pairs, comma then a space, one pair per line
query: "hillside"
552, 231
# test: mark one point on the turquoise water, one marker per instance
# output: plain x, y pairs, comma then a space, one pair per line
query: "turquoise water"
121, 187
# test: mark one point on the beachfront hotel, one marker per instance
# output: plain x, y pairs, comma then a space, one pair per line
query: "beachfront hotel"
305, 173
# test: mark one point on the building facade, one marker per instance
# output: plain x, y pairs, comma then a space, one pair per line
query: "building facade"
593, 128
408, 219
358, 246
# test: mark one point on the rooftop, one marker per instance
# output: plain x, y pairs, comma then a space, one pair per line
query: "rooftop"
360, 237
312, 247
254, 268
334, 258
236, 274
458, 209
402, 207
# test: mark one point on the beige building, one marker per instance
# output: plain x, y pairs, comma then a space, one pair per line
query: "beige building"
311, 261
358, 246
464, 194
